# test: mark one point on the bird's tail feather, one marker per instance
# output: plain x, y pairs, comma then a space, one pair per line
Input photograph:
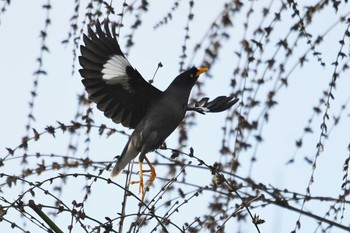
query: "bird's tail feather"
128, 154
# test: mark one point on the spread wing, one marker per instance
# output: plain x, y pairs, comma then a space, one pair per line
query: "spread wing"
112, 83
219, 104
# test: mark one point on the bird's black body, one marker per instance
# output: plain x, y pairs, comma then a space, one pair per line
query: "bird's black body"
162, 118
124, 96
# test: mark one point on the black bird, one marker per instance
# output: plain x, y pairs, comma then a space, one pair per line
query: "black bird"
123, 95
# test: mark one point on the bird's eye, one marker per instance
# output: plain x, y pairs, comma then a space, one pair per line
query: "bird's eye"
191, 75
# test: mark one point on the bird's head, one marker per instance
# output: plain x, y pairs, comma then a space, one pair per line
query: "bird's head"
200, 71
193, 72
189, 77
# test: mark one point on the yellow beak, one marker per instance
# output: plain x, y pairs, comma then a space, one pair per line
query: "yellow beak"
201, 70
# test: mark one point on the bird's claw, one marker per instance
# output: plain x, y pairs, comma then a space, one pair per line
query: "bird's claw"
153, 176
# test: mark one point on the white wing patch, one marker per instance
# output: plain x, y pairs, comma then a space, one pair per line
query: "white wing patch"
114, 71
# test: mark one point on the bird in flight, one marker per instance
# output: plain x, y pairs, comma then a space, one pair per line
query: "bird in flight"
126, 97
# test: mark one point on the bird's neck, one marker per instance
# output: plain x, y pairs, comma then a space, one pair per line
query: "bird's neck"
179, 93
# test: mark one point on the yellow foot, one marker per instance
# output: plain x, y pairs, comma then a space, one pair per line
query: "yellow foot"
153, 174
150, 181
140, 182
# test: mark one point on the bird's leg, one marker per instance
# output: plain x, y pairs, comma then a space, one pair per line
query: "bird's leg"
152, 171
151, 179
140, 182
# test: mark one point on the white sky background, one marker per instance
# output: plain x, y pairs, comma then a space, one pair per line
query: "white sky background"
57, 101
